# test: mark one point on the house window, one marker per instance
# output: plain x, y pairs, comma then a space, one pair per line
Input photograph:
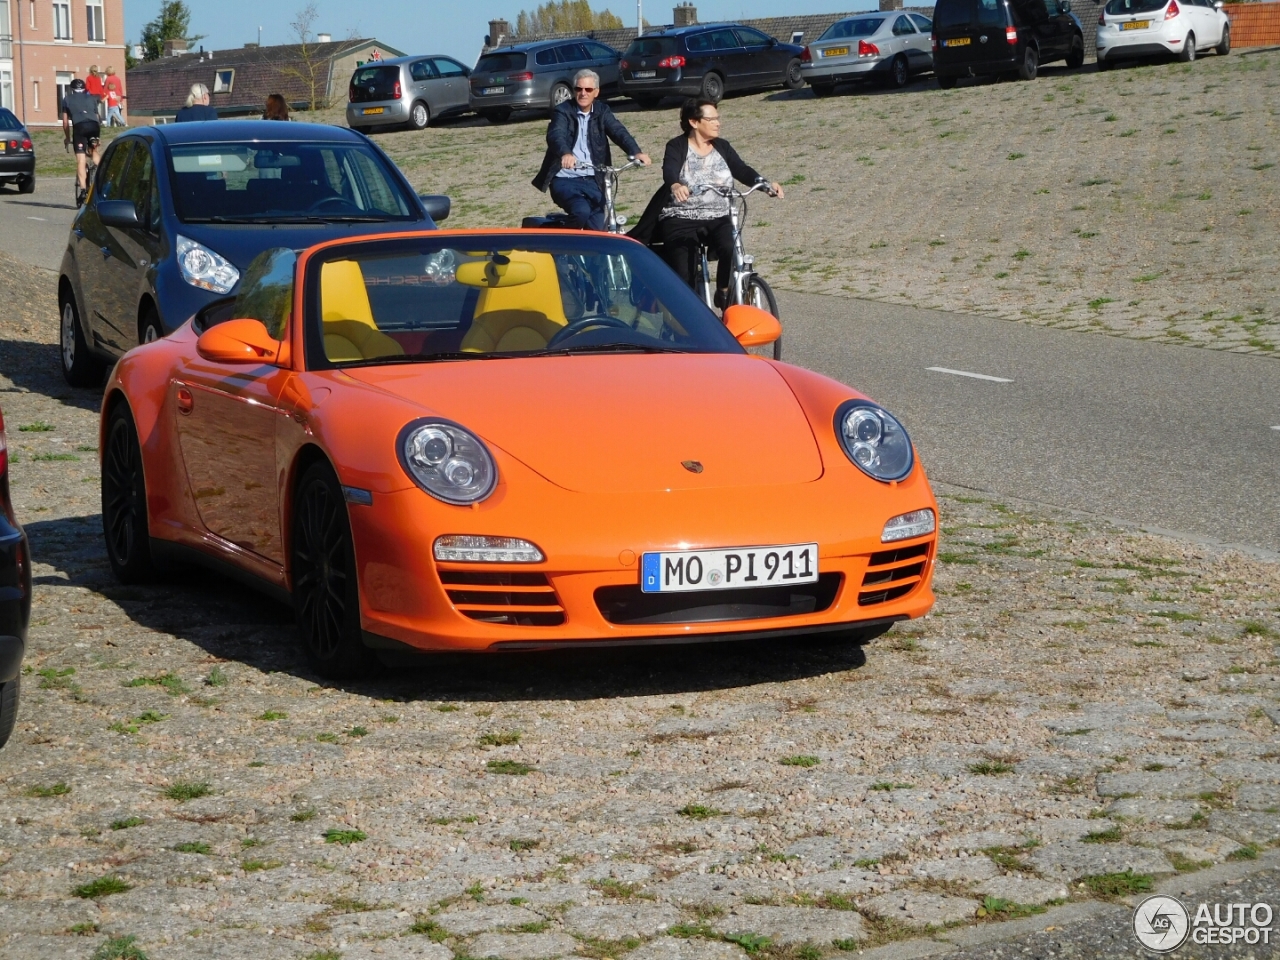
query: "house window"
223, 80
35, 94
63, 81
61, 20
95, 28
6, 44
6, 89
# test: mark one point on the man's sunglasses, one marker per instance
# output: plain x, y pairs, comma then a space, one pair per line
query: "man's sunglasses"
584, 89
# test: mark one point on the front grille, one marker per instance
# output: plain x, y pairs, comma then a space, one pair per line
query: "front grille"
892, 574
629, 605
516, 599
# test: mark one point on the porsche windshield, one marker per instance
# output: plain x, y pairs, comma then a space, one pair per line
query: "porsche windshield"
471, 298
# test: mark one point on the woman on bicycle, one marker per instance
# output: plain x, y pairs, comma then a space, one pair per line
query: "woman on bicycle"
687, 217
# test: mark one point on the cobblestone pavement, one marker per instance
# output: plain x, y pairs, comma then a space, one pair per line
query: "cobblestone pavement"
1140, 203
1087, 711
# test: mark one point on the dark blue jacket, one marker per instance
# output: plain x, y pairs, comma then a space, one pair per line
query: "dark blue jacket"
562, 133
196, 112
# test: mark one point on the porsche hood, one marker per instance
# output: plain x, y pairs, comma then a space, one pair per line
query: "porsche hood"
623, 424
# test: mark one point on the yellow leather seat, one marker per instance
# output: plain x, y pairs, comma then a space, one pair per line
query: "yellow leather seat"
518, 318
350, 332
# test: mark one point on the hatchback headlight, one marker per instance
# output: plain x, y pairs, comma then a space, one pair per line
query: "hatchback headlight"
203, 268
446, 461
874, 440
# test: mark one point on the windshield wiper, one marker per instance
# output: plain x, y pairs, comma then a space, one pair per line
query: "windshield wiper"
267, 218
608, 348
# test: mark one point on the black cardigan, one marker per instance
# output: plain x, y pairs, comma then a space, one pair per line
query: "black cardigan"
672, 163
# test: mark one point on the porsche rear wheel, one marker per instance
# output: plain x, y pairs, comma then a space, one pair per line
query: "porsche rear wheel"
124, 501
326, 599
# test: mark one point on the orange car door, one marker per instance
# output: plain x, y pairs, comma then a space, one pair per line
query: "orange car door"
227, 428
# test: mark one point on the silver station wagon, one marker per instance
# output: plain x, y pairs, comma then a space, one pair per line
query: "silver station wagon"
538, 76
406, 91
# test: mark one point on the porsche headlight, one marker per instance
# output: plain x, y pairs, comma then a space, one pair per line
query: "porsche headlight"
874, 440
203, 268
446, 461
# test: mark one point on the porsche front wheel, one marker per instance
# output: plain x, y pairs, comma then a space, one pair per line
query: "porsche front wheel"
124, 501
326, 599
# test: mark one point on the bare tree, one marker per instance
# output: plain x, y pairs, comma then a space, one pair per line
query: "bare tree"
309, 66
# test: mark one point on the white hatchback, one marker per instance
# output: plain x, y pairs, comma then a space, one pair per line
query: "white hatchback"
1136, 29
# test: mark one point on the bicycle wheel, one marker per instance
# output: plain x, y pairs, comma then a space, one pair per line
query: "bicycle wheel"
760, 294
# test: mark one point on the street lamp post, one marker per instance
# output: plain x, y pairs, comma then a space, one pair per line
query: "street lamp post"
639, 17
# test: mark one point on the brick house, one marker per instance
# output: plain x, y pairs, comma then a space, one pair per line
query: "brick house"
240, 79
45, 44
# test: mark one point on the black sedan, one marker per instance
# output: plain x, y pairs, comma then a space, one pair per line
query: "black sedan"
707, 60
15, 599
179, 211
17, 155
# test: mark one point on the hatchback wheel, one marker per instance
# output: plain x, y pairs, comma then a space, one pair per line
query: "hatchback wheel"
150, 329
1223, 48
1188, 49
559, 94
946, 83
899, 75
822, 89
80, 367
1030, 64
419, 116
713, 87
1075, 57
795, 76
124, 501
28, 184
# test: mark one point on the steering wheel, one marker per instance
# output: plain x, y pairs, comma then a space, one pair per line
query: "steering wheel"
573, 329
326, 201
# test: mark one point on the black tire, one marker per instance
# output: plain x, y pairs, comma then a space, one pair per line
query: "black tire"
646, 103
793, 79
713, 87
946, 83
1030, 66
822, 89
9, 694
1222, 49
899, 73
499, 115
326, 599
760, 294
28, 184
559, 94
124, 501
419, 116
79, 366
150, 328
1188, 53
1075, 56
1105, 65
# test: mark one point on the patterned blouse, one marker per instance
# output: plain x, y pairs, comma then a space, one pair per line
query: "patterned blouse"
697, 171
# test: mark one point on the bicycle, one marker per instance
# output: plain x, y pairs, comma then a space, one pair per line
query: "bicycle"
613, 223
90, 168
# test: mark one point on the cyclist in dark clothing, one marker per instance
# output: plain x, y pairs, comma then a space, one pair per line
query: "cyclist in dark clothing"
81, 129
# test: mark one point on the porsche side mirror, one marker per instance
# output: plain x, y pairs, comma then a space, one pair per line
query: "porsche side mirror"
751, 326
437, 205
238, 341
118, 213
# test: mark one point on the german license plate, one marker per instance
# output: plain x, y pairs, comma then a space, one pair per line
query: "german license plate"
644, 74
836, 52
733, 569
1135, 25
371, 110
489, 91
957, 42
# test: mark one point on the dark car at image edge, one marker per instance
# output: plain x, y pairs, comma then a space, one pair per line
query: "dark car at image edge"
994, 37
15, 598
146, 252
17, 155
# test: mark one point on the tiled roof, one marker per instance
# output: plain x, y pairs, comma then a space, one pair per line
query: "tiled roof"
161, 86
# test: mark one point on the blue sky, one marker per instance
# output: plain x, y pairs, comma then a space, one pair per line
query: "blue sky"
455, 27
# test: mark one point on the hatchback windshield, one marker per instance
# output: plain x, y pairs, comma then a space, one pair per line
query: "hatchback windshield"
949, 14
500, 63
1118, 8
842, 29
284, 182
652, 47
501, 296
374, 83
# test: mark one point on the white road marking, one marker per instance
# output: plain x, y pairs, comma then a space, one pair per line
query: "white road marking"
975, 376
41, 219
1276, 427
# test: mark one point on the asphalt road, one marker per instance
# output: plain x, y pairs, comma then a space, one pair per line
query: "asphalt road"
1178, 438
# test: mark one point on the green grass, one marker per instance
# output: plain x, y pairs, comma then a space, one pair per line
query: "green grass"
38, 427
887, 785
447, 708
252, 866
101, 887
327, 737
1015, 156
185, 790
991, 768
58, 789
697, 811
428, 927
302, 816
144, 718
55, 456
499, 739
54, 679
126, 822
1110, 835
1022, 254
511, 768
750, 942
273, 715
1249, 851
216, 678
170, 683
344, 837
357, 732
193, 846
519, 845
800, 760
1111, 885
120, 948
1002, 909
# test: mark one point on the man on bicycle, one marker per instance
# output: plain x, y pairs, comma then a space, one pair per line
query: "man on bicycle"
80, 128
577, 144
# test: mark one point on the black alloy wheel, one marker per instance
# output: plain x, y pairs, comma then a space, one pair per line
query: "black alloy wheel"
794, 78
713, 87
419, 115
1030, 67
326, 599
124, 501
899, 74
80, 367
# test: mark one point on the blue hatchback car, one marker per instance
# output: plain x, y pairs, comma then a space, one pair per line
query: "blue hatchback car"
177, 212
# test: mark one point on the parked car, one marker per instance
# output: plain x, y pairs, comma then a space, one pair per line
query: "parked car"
983, 37
1139, 29
538, 76
707, 60
147, 251
410, 91
435, 446
17, 155
889, 47
15, 598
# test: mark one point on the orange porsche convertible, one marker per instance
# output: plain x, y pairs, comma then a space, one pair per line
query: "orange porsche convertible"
484, 440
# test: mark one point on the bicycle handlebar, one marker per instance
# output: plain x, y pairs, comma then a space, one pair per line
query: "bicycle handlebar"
631, 162
733, 191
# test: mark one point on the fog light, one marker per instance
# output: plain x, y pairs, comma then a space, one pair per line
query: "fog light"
463, 548
905, 526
